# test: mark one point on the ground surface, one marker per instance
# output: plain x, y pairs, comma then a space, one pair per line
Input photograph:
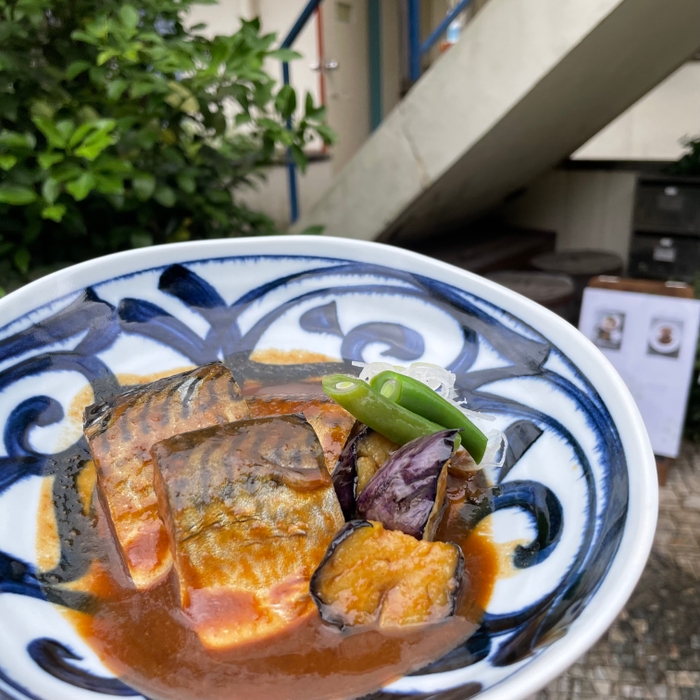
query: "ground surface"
653, 649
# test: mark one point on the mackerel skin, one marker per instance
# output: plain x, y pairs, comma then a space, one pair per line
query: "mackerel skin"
121, 433
250, 510
331, 422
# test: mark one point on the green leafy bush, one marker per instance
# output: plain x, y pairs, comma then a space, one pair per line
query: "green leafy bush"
120, 127
689, 163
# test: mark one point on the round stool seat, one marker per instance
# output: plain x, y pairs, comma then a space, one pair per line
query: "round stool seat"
555, 291
579, 262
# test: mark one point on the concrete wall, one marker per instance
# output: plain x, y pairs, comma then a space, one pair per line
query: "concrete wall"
586, 209
271, 196
654, 127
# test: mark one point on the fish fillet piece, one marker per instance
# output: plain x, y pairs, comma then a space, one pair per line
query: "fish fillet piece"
250, 510
331, 422
121, 433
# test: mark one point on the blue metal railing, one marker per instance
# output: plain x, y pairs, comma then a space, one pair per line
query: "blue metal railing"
287, 44
416, 50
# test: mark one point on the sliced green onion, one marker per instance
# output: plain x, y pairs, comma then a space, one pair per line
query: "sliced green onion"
423, 401
389, 419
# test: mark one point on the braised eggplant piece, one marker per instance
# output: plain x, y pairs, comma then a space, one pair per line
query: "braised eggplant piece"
331, 422
374, 576
408, 492
361, 458
121, 433
373, 451
250, 510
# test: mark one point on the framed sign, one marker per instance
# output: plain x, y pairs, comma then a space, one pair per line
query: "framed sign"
651, 340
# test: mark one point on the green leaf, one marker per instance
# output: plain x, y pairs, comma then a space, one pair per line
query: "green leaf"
327, 134
7, 161
243, 118
165, 196
105, 55
186, 183
313, 112
116, 88
129, 16
141, 88
40, 108
76, 68
79, 134
81, 187
79, 35
55, 212
144, 185
284, 55
140, 239
13, 139
22, 259
50, 132
181, 98
65, 172
46, 160
14, 194
286, 101
299, 157
109, 185
65, 127
94, 145
219, 196
50, 190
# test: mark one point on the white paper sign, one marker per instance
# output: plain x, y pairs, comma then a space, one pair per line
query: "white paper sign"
651, 342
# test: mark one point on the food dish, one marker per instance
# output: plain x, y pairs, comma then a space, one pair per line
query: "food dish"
74, 337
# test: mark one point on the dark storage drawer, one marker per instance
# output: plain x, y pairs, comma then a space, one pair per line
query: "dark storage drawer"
668, 205
664, 257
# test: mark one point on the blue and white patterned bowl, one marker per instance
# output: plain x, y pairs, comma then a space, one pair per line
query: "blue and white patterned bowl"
578, 484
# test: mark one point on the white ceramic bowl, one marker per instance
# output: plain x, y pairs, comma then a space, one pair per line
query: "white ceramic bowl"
579, 458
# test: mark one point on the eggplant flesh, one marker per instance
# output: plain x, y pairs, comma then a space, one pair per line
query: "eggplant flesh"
250, 509
408, 492
362, 457
373, 451
371, 576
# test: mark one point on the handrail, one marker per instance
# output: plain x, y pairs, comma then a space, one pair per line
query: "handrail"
287, 43
300, 23
418, 50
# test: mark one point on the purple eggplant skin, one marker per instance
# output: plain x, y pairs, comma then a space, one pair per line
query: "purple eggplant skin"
407, 493
314, 584
345, 475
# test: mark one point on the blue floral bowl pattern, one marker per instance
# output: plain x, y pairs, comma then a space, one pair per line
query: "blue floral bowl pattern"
563, 497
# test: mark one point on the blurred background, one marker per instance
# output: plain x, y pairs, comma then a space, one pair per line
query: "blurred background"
551, 145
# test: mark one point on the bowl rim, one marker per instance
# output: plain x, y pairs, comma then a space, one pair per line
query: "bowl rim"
637, 539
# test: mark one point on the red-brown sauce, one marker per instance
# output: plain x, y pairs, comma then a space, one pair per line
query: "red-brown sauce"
144, 639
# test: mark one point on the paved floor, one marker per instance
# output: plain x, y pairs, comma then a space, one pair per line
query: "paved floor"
653, 649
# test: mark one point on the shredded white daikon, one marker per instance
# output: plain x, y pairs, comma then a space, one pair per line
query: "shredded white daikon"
442, 381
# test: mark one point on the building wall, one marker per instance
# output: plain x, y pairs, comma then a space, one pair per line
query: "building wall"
653, 128
586, 209
271, 196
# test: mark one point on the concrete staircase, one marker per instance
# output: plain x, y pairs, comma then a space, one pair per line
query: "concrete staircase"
528, 83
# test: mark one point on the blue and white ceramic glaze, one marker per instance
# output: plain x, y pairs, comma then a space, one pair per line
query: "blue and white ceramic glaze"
576, 497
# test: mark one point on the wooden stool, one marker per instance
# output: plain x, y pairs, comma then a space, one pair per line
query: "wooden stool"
581, 265
556, 292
